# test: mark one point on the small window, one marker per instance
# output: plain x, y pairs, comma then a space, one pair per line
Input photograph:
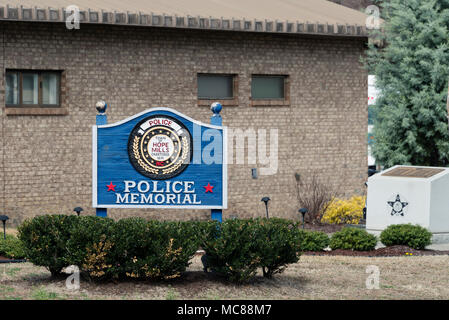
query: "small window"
33, 88
211, 86
268, 87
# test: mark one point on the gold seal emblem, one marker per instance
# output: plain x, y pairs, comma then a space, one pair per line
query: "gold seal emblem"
160, 147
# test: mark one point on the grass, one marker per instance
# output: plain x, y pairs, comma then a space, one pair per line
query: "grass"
41, 293
171, 294
12, 271
6, 289
313, 277
7, 293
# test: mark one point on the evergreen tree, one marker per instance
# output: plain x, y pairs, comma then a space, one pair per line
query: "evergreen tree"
412, 73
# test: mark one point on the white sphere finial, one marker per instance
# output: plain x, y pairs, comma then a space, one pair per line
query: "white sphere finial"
216, 107
101, 106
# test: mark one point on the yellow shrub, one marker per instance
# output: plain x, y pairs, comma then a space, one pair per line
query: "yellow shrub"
345, 210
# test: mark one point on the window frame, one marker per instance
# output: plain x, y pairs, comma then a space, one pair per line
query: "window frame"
20, 73
285, 101
232, 101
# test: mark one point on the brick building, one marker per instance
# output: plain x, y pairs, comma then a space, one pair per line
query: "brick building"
166, 55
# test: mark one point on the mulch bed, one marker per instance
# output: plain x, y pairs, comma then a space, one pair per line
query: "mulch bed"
327, 228
393, 251
8, 260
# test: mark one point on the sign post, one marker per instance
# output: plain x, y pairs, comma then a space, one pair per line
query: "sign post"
101, 119
162, 159
216, 214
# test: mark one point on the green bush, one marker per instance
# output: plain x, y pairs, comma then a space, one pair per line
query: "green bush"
277, 242
353, 239
136, 248
237, 248
91, 247
45, 239
230, 250
154, 249
11, 247
413, 236
313, 240
105, 249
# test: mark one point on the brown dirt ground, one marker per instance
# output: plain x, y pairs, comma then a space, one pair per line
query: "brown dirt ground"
313, 277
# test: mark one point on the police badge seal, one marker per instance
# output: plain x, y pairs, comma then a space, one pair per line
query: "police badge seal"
160, 147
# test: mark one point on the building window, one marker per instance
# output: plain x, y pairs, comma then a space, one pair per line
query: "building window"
268, 87
270, 90
211, 86
33, 88
217, 87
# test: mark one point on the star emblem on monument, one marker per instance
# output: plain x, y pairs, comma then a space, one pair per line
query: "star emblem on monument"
397, 206
111, 187
208, 188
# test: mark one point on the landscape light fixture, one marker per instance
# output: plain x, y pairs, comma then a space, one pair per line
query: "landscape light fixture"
364, 209
3, 218
265, 200
303, 211
78, 210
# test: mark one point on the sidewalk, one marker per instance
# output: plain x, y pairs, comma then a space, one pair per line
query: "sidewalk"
436, 246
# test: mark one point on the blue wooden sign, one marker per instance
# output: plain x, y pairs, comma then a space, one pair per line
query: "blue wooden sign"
159, 158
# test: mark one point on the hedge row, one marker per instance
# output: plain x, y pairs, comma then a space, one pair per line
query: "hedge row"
235, 249
137, 248
414, 236
104, 249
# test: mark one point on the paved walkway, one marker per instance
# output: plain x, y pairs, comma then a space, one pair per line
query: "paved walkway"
437, 246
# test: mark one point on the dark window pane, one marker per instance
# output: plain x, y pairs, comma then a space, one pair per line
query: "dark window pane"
12, 88
30, 89
215, 87
267, 87
50, 88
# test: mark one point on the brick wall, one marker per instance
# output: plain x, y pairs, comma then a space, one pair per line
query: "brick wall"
46, 160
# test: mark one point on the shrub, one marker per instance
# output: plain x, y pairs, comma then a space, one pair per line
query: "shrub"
236, 248
154, 249
413, 236
230, 250
105, 249
45, 238
91, 247
345, 211
313, 240
313, 195
277, 242
136, 248
353, 239
11, 247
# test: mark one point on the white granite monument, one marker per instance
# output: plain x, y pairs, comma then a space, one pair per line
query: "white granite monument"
409, 194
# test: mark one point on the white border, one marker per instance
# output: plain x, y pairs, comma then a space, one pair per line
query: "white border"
95, 165
225, 168
160, 109
131, 206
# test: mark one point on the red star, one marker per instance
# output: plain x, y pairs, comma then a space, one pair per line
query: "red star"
208, 188
111, 187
